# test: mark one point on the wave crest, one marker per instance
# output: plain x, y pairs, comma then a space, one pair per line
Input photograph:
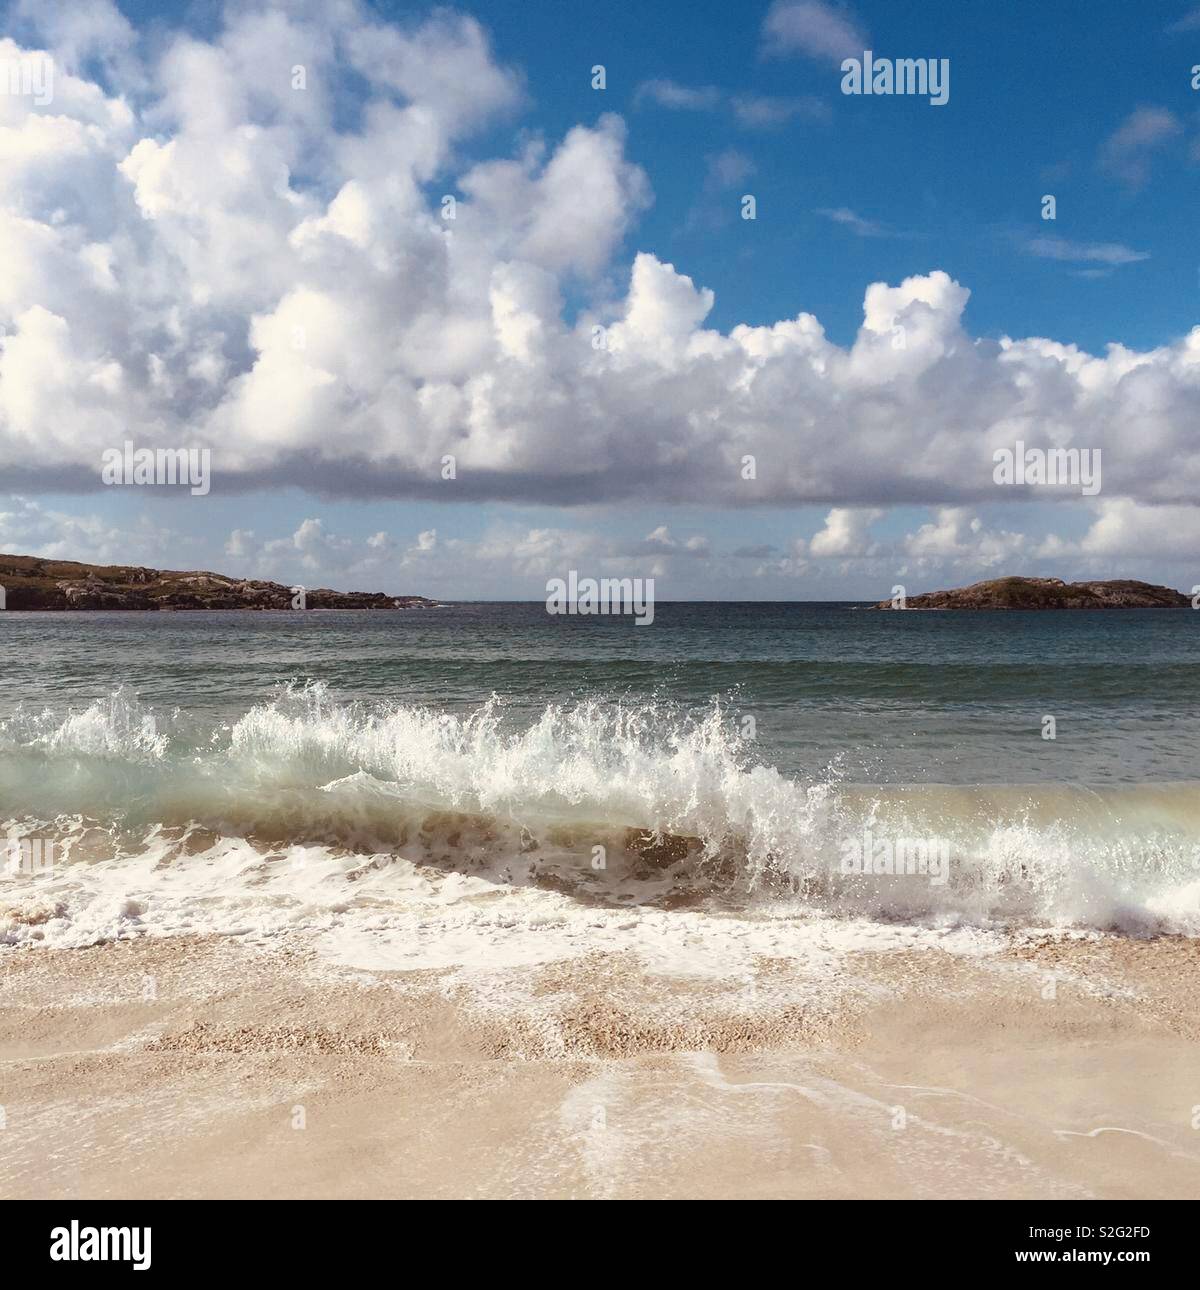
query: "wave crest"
608, 801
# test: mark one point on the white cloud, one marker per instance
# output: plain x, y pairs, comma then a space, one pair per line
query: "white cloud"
728, 168
1122, 528
750, 111
240, 543
1189, 22
443, 64
855, 223
670, 94
1129, 150
311, 551
812, 27
80, 33
957, 538
766, 111
426, 540
1109, 253
845, 533
221, 260
312, 545
29, 528
660, 542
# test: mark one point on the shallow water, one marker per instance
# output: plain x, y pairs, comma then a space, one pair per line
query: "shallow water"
878, 765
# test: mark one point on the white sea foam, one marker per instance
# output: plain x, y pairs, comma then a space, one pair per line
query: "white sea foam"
401, 836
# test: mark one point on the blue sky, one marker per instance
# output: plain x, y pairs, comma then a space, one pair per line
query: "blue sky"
1036, 90
874, 464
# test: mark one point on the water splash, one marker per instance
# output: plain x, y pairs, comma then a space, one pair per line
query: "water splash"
677, 803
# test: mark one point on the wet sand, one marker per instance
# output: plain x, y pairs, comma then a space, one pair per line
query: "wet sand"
205, 1067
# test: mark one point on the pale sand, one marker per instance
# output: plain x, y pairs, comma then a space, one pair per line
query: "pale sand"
408, 1089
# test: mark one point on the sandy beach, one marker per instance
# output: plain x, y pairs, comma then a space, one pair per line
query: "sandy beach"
1060, 1067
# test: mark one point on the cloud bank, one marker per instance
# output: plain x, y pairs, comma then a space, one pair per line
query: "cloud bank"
268, 244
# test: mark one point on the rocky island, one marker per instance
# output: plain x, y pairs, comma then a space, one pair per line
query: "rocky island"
1048, 593
27, 582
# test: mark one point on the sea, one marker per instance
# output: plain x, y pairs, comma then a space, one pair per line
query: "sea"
384, 780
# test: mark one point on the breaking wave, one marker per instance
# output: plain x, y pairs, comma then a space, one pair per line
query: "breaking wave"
611, 803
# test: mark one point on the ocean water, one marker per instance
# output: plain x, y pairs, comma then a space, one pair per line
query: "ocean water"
389, 773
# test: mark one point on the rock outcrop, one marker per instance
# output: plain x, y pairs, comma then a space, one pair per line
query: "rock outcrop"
33, 583
1048, 593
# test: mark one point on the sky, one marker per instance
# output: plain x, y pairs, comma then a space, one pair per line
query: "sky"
458, 299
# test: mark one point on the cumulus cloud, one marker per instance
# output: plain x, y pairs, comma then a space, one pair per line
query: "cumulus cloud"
1122, 527
845, 533
208, 250
957, 537
311, 545
311, 552
80, 34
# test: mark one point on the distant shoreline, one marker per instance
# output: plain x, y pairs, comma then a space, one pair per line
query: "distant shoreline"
1042, 594
63, 586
